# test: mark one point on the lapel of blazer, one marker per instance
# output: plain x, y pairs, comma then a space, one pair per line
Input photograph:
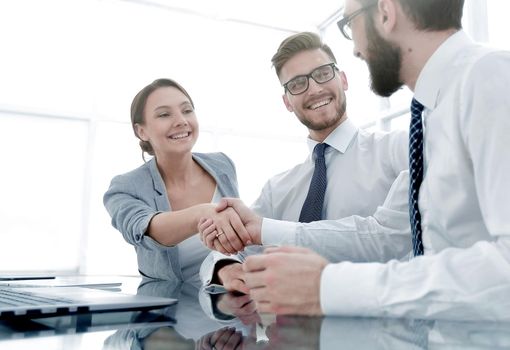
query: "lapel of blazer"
160, 196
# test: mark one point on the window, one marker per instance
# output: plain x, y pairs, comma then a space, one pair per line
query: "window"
43, 192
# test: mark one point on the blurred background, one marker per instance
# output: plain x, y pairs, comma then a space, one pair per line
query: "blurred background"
70, 68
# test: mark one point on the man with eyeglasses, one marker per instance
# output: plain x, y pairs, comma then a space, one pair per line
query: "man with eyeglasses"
366, 175
459, 179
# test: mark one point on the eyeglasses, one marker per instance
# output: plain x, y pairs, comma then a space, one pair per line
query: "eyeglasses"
345, 23
320, 75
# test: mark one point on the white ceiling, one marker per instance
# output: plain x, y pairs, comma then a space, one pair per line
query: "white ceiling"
292, 15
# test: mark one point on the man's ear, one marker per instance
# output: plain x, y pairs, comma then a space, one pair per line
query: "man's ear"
387, 16
343, 79
287, 103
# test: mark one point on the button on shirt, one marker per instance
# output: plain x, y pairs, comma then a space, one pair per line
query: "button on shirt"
465, 273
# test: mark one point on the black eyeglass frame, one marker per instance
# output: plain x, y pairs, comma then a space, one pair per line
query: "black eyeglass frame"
310, 75
346, 21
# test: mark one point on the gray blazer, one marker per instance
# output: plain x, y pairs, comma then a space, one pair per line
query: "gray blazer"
135, 197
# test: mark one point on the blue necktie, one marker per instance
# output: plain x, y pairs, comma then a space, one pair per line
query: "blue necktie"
415, 173
312, 207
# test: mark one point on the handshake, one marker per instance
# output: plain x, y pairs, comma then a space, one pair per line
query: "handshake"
231, 228
274, 280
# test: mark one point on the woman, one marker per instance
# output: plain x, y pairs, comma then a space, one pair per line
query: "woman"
157, 206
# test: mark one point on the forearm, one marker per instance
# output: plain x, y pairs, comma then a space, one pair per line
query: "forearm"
359, 239
377, 238
171, 228
380, 237
456, 284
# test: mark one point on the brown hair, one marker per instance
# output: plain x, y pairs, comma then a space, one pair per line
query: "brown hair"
139, 102
297, 43
431, 14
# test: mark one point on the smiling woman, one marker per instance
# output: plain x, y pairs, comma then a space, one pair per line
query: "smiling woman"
157, 206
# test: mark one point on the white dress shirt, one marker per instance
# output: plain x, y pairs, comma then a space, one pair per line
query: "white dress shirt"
366, 207
381, 237
362, 168
465, 272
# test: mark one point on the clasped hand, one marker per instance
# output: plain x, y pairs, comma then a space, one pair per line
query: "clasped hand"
232, 228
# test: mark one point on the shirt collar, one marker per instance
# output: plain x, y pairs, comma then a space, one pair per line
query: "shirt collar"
432, 76
339, 138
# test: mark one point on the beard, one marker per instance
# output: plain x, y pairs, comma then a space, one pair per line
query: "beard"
384, 62
322, 125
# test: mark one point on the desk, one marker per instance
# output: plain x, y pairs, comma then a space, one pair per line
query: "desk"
197, 322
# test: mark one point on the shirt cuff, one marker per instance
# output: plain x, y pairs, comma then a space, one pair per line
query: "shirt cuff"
349, 289
277, 232
209, 263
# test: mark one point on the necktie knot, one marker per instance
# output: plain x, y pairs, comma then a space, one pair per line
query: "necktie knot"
319, 150
416, 107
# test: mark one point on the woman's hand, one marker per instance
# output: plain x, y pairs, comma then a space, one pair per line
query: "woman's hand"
224, 231
230, 235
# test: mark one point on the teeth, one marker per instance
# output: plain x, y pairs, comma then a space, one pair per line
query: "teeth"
320, 104
179, 136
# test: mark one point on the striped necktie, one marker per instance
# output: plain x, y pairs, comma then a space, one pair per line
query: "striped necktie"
415, 173
312, 207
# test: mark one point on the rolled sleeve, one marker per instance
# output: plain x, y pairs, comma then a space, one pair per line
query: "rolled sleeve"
130, 215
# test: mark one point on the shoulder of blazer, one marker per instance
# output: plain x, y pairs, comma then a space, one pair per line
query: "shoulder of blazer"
140, 173
217, 162
145, 176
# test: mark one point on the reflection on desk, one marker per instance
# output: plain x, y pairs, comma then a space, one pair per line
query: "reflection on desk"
232, 322
191, 321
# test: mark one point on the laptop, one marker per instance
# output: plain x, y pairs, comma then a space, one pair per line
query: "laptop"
36, 302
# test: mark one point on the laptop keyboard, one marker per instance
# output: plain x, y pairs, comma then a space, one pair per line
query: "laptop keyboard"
13, 297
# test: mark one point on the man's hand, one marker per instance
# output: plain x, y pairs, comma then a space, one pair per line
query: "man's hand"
231, 235
224, 231
227, 338
232, 278
241, 306
285, 280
